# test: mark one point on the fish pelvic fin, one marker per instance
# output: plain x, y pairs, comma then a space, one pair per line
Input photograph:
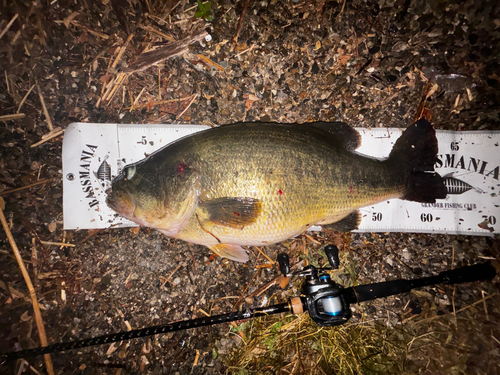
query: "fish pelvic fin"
415, 152
233, 252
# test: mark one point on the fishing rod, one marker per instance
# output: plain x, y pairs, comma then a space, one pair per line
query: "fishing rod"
327, 302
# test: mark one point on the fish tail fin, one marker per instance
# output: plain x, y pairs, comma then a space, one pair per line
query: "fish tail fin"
415, 152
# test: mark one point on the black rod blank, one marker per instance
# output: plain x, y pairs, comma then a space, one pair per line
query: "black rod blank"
165, 328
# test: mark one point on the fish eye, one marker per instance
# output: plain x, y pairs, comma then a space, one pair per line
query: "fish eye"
129, 172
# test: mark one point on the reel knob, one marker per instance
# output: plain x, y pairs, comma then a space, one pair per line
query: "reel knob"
332, 254
284, 263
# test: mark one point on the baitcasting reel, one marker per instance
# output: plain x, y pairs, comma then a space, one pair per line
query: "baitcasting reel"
323, 298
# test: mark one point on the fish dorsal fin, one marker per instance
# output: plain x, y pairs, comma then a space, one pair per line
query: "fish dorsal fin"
232, 212
343, 133
347, 224
233, 252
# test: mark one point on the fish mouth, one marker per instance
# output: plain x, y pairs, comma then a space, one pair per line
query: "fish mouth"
124, 203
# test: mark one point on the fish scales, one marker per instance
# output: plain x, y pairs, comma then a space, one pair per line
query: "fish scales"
277, 179
300, 180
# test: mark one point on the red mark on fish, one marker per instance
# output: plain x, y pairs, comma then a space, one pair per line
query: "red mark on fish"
181, 168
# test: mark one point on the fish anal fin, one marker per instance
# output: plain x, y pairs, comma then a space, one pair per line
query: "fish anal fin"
233, 252
347, 136
347, 224
232, 212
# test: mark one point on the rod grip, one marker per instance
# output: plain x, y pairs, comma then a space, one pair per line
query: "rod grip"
379, 290
477, 272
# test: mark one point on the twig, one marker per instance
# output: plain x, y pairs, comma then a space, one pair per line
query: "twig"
264, 255
204, 312
134, 105
5, 192
421, 106
48, 136
13, 116
193, 7
157, 32
189, 105
44, 107
6, 28
147, 59
114, 86
207, 60
343, 6
494, 338
237, 304
416, 338
484, 305
167, 280
356, 40
24, 99
71, 17
458, 311
246, 50
7, 81
62, 244
194, 263
312, 239
27, 280
156, 103
85, 28
238, 28
159, 83
196, 359
122, 51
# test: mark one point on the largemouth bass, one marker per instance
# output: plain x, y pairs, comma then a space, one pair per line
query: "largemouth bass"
251, 184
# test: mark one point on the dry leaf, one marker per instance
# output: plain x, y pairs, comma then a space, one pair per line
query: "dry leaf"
25, 317
52, 227
343, 59
283, 282
248, 104
242, 47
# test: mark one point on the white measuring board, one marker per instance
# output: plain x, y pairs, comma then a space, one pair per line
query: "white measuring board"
469, 161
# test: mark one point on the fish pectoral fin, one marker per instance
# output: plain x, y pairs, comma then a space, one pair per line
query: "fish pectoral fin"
348, 223
233, 212
233, 252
